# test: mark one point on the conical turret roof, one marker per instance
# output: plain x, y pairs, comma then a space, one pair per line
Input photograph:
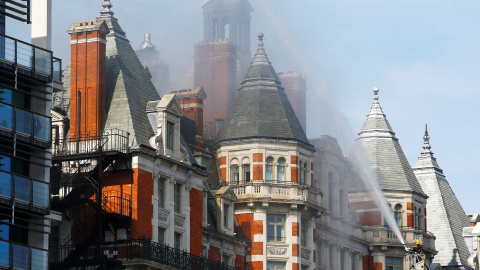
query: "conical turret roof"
128, 87
261, 108
384, 153
446, 217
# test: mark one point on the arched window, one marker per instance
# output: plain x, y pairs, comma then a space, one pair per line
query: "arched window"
398, 214
234, 172
330, 191
269, 169
281, 170
246, 169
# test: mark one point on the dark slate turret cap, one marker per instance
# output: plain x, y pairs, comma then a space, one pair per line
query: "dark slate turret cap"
261, 108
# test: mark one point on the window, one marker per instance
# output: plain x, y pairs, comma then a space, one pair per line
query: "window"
353, 261
331, 260
269, 169
225, 259
275, 266
226, 215
275, 228
304, 267
392, 263
246, 172
305, 173
177, 241
177, 198
170, 129
161, 235
303, 232
161, 193
342, 259
281, 170
398, 214
234, 173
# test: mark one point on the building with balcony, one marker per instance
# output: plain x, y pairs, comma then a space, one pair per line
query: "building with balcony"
28, 77
266, 159
378, 148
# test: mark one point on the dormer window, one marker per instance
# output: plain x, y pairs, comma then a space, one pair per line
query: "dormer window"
170, 133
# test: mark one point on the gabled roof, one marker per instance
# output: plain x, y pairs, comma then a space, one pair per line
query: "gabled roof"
261, 108
384, 153
198, 92
446, 218
170, 103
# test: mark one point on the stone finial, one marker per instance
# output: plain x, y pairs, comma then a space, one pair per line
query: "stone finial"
375, 93
260, 39
147, 42
376, 109
106, 12
426, 144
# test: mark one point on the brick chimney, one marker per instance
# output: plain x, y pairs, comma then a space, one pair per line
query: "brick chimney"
87, 84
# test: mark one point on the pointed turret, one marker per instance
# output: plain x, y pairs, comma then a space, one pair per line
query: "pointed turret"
384, 152
261, 109
446, 215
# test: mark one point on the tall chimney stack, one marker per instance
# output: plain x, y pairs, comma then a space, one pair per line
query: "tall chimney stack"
87, 83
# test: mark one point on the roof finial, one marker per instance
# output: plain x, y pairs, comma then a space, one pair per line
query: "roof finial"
106, 12
260, 40
375, 93
147, 42
426, 143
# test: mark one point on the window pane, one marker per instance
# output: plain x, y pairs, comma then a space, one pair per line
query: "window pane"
161, 235
271, 232
4, 253
5, 184
6, 116
23, 121
161, 199
22, 188
40, 196
41, 127
20, 257
39, 259
280, 232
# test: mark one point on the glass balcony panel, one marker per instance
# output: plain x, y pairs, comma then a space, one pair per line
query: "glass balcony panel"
4, 253
40, 193
5, 184
7, 48
43, 61
6, 116
41, 127
22, 188
57, 69
20, 257
39, 259
23, 121
24, 55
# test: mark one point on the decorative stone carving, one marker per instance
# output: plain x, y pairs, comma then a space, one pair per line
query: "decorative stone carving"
276, 251
265, 205
159, 139
179, 220
294, 207
251, 205
305, 253
163, 214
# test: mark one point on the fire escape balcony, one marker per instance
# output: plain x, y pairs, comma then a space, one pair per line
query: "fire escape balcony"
277, 191
384, 235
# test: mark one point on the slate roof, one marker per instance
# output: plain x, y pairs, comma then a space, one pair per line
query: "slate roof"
384, 153
446, 217
128, 85
261, 108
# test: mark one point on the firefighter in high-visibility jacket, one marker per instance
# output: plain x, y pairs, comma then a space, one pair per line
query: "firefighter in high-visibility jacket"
418, 248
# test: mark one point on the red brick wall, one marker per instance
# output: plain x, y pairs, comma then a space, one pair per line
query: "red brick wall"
294, 266
410, 219
294, 160
249, 226
257, 172
142, 207
258, 157
223, 172
239, 261
295, 250
215, 70
257, 248
222, 160
196, 206
409, 206
294, 174
295, 89
370, 218
214, 253
257, 265
87, 77
364, 205
294, 228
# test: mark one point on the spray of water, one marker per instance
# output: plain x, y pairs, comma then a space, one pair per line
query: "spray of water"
357, 157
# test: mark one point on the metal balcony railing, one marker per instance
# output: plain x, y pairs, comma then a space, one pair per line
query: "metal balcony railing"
16, 256
383, 233
29, 59
111, 140
23, 189
28, 124
145, 250
16, 9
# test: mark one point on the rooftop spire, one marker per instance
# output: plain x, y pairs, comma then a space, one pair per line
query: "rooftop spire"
376, 109
147, 42
261, 68
426, 144
106, 12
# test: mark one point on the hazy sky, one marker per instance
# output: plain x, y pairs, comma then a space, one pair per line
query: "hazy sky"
423, 55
